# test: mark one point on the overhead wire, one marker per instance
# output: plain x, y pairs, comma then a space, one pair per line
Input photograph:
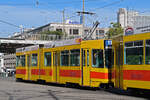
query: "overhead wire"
9, 23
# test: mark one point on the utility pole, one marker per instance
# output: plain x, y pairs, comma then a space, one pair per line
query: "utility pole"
83, 17
63, 21
82, 13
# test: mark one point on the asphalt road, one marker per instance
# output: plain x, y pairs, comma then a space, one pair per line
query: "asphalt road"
11, 90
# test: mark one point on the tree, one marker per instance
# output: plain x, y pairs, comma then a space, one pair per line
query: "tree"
115, 30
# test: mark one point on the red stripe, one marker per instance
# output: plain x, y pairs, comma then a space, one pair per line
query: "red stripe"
99, 75
70, 73
42, 72
21, 71
50, 72
35, 72
142, 75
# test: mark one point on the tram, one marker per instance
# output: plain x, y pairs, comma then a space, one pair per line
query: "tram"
136, 61
123, 62
131, 68
85, 63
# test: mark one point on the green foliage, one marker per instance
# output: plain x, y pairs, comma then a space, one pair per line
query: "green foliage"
115, 29
52, 33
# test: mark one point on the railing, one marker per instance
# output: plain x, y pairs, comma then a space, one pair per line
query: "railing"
47, 37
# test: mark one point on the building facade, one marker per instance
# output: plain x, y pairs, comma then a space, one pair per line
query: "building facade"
133, 22
1, 62
69, 30
126, 18
9, 61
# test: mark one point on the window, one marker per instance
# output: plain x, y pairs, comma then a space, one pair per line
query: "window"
65, 58
109, 58
86, 31
97, 32
101, 32
87, 57
75, 31
34, 60
83, 57
147, 51
133, 53
70, 31
59, 30
75, 57
97, 58
18, 61
47, 59
23, 60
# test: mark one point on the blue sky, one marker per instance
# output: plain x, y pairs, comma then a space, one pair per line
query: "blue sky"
34, 13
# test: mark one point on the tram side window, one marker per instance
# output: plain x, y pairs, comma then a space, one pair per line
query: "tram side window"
147, 55
34, 60
133, 53
65, 58
97, 58
18, 61
87, 57
109, 58
83, 57
47, 58
75, 57
23, 61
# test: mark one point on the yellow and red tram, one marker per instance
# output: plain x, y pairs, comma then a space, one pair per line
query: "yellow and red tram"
86, 63
123, 62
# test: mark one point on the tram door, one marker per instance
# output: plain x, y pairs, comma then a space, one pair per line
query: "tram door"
118, 65
28, 65
56, 64
85, 68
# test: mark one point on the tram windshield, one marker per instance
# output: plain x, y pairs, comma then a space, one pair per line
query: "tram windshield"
20, 61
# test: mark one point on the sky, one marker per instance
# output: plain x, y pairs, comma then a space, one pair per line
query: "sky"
35, 13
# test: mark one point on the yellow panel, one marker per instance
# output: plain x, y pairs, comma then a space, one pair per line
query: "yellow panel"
136, 84
135, 37
97, 44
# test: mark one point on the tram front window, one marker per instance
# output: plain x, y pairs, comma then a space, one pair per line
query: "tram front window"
97, 58
134, 53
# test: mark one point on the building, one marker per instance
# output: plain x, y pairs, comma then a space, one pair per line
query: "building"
1, 62
126, 18
9, 61
133, 22
69, 30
